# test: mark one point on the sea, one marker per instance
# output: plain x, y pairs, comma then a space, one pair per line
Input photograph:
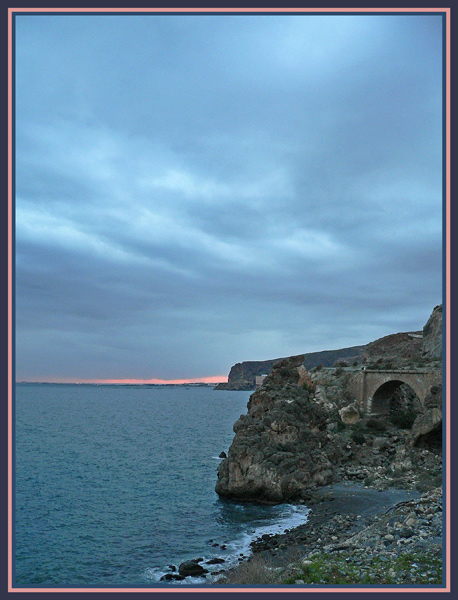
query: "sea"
114, 485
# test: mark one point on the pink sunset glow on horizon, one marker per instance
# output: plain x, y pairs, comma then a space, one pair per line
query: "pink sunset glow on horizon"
212, 379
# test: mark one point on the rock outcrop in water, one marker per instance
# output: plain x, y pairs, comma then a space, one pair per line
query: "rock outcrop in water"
281, 446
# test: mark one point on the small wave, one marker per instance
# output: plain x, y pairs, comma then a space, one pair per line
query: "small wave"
240, 547
154, 574
292, 516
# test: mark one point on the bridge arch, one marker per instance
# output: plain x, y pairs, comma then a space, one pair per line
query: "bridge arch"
372, 387
397, 402
382, 395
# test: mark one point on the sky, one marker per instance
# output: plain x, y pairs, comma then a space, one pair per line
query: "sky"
193, 191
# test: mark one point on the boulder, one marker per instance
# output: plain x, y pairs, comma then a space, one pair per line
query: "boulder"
215, 561
171, 577
381, 443
191, 568
402, 461
427, 424
350, 414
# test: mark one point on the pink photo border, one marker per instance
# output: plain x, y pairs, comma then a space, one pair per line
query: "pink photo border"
15, 11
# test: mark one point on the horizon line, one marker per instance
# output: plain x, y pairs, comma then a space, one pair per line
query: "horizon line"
154, 381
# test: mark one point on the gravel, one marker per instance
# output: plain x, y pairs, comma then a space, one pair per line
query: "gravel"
360, 535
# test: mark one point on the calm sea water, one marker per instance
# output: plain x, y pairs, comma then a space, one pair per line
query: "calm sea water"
115, 483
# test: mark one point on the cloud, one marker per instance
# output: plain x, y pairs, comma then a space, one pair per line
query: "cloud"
193, 191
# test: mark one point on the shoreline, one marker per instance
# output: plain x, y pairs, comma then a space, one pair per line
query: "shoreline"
355, 528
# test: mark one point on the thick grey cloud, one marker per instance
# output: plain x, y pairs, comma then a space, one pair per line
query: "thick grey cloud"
197, 190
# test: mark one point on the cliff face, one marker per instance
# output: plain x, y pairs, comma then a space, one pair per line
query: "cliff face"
242, 375
303, 429
408, 348
432, 334
397, 349
281, 446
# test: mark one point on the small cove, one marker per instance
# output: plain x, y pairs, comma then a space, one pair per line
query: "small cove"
115, 483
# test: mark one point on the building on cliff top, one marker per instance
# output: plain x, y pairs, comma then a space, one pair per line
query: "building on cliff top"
259, 380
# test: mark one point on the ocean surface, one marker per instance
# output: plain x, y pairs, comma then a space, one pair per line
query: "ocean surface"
113, 484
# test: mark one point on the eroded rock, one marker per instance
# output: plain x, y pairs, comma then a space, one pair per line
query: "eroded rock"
305, 429
426, 426
432, 334
281, 447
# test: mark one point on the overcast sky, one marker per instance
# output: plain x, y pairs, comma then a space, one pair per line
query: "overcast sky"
194, 191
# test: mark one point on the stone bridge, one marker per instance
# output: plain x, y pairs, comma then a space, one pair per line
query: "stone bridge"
374, 388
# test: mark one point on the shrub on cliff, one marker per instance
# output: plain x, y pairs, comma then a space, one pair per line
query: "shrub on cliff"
376, 424
358, 437
404, 420
342, 363
284, 372
308, 386
257, 570
281, 447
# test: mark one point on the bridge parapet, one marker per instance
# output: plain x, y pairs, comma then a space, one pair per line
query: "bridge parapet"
365, 383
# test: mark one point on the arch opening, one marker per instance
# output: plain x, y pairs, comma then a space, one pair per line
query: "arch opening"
397, 403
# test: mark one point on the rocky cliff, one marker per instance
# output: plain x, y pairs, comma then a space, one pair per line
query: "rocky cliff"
401, 349
302, 430
394, 349
242, 375
281, 446
432, 335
